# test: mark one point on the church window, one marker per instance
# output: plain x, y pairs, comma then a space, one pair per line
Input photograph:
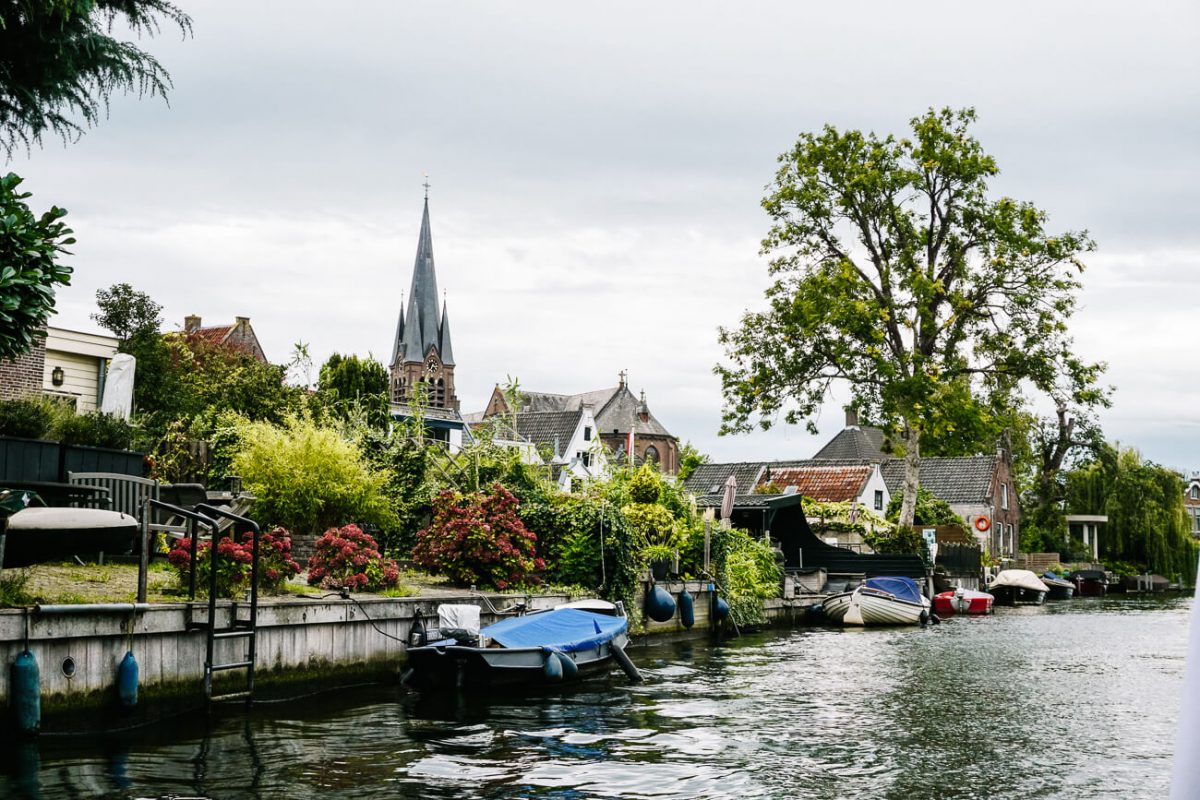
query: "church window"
651, 455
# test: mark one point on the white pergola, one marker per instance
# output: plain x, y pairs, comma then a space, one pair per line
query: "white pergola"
1090, 523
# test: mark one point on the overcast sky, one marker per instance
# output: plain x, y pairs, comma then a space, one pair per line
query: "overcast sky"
597, 171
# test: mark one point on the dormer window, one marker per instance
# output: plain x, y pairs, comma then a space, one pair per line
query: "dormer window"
1195, 492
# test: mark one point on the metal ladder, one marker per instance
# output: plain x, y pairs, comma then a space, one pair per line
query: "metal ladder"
239, 627
206, 516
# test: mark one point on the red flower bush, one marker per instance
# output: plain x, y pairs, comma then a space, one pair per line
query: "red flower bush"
348, 557
478, 538
275, 564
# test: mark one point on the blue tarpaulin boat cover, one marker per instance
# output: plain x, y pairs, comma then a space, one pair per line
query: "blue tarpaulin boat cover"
902, 588
563, 629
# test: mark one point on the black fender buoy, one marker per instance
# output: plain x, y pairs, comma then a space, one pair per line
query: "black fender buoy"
127, 681
570, 670
660, 606
720, 609
626, 663
552, 668
687, 609
417, 636
26, 693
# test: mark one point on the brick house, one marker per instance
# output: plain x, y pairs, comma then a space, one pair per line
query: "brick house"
64, 364
240, 335
1191, 502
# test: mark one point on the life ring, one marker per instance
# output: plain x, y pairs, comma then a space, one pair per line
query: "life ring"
982, 523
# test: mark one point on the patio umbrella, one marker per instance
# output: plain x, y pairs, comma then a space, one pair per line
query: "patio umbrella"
727, 500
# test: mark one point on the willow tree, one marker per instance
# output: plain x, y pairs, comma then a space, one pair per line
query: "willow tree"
897, 273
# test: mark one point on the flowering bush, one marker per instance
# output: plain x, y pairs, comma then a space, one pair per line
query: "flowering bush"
348, 557
478, 538
275, 564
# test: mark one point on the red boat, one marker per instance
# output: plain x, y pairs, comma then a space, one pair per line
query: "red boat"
962, 601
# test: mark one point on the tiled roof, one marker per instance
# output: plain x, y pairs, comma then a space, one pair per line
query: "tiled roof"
956, 480
825, 484
553, 429
213, 335
747, 472
855, 443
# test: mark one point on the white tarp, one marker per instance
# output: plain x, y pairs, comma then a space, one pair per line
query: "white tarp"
1021, 578
459, 617
118, 386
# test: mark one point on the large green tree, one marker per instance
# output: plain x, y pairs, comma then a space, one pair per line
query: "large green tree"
29, 268
126, 312
60, 63
352, 382
897, 273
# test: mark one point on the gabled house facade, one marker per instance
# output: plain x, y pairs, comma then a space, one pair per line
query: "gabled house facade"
565, 440
1191, 502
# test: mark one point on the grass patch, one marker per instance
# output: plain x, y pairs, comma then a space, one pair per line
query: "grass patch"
13, 591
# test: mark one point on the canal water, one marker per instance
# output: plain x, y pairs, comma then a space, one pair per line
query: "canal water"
1074, 699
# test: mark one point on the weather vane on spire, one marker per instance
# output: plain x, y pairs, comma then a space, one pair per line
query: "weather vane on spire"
426, 184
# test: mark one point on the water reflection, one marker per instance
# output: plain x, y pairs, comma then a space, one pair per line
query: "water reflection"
1068, 700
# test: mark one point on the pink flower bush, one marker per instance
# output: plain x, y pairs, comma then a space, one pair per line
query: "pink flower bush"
478, 538
347, 556
275, 564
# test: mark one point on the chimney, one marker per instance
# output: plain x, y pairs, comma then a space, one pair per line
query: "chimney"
643, 411
191, 323
851, 418
241, 322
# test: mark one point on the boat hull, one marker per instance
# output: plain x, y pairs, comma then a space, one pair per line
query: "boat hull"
1016, 596
974, 603
869, 608
444, 665
1090, 588
1060, 592
835, 606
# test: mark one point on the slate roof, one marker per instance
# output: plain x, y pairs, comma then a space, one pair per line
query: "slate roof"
855, 443
956, 480
615, 409
825, 484
740, 501
554, 429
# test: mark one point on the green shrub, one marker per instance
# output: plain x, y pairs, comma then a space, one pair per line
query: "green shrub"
28, 417
645, 486
307, 478
751, 575
93, 429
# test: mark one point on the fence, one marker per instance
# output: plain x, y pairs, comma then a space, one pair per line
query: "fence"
25, 460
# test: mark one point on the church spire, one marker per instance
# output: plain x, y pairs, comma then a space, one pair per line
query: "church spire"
422, 326
444, 348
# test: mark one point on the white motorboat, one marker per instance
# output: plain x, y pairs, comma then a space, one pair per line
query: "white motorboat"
1018, 587
879, 601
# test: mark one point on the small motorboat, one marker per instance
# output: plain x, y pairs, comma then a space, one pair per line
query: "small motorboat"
879, 601
1089, 582
962, 601
1013, 587
543, 648
1057, 588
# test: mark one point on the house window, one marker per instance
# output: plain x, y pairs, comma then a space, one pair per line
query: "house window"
1012, 543
1195, 492
651, 455
1004, 495
587, 434
878, 500
586, 458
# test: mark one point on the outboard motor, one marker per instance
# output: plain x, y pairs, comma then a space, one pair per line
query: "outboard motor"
417, 637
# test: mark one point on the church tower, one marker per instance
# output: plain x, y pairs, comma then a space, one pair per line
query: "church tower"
422, 358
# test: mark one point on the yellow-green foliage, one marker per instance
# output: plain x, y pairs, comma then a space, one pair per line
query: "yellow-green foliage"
652, 523
646, 485
750, 567
308, 478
